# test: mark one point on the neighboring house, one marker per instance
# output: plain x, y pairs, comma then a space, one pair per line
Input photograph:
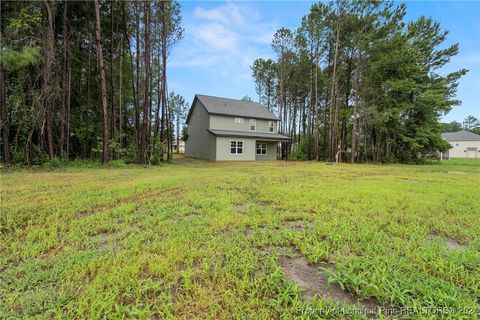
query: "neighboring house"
181, 146
228, 129
464, 144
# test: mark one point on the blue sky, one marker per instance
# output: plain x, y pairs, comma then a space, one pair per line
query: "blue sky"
222, 39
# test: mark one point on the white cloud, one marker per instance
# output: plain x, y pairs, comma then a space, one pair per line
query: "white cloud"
227, 14
217, 36
219, 47
230, 35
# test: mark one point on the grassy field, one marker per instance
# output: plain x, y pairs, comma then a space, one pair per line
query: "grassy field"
256, 240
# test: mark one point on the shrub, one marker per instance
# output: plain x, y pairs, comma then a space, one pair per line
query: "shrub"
157, 150
54, 163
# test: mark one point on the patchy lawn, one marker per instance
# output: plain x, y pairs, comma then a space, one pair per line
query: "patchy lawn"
240, 240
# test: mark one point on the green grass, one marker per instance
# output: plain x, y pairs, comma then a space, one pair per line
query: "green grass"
171, 241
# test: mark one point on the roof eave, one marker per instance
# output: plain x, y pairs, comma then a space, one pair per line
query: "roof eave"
243, 116
242, 135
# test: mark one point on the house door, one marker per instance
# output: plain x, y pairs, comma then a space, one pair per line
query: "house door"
471, 152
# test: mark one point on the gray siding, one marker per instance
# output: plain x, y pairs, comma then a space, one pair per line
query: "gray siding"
223, 149
228, 123
200, 142
271, 151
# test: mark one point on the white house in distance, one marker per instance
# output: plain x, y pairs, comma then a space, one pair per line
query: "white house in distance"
181, 146
464, 144
227, 129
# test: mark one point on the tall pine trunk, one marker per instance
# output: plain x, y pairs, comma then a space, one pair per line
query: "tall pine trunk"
137, 80
5, 120
333, 100
134, 88
356, 104
103, 93
178, 133
47, 79
112, 78
67, 74
146, 100
164, 35
120, 103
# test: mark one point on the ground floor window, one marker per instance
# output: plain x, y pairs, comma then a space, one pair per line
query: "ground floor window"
261, 148
236, 147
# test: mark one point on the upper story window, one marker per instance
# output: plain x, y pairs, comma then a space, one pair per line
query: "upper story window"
253, 124
238, 120
271, 126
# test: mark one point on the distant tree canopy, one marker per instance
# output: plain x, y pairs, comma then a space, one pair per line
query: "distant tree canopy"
470, 124
357, 82
86, 79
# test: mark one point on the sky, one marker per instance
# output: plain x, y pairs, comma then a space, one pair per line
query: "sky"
222, 39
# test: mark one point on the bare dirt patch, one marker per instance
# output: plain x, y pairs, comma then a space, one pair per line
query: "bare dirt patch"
313, 282
102, 241
298, 225
239, 207
249, 232
263, 203
451, 244
456, 172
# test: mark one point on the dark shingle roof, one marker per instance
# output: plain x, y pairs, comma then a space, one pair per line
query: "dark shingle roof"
232, 108
246, 134
462, 135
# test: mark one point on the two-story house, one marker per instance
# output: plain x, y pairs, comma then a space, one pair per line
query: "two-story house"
227, 129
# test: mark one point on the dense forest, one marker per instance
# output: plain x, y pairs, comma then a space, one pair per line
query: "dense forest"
88, 79
356, 82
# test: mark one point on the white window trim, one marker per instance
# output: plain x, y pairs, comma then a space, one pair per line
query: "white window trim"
236, 148
254, 123
271, 124
238, 120
261, 154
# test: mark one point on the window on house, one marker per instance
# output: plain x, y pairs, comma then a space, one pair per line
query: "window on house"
271, 126
238, 120
236, 147
261, 148
253, 124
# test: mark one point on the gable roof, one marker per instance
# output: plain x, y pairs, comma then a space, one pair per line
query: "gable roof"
462, 135
232, 108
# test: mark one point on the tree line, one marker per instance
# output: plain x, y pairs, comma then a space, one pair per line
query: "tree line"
470, 123
88, 79
357, 82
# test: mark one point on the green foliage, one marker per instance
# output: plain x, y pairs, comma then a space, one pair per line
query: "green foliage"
451, 127
25, 20
386, 69
301, 151
13, 60
28, 96
117, 149
157, 151
53, 164
471, 124
117, 164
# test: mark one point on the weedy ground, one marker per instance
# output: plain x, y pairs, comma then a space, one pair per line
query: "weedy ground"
231, 240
